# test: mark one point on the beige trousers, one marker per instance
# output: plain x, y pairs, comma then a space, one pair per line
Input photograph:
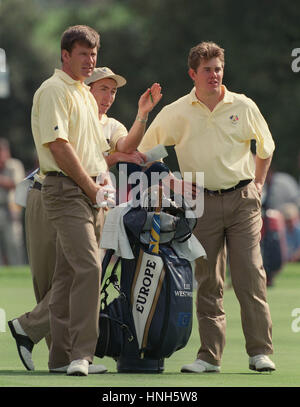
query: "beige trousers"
232, 220
75, 294
41, 248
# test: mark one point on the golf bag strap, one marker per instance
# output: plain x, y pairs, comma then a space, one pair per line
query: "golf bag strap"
122, 325
112, 279
105, 263
185, 238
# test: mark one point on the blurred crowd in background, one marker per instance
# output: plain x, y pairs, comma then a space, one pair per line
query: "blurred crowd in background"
12, 241
280, 240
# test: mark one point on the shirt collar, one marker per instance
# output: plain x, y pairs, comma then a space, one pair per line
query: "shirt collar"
67, 78
228, 98
103, 119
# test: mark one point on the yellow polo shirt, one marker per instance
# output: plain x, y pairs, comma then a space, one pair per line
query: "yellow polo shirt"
216, 143
65, 108
113, 130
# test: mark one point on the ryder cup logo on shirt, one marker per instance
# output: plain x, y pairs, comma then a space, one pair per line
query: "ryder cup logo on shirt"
234, 118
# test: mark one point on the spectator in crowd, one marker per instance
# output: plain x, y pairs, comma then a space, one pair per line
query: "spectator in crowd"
12, 250
273, 244
280, 188
291, 215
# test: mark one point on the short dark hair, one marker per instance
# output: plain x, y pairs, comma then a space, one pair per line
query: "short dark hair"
82, 34
204, 51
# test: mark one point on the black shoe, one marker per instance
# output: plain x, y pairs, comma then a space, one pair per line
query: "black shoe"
24, 345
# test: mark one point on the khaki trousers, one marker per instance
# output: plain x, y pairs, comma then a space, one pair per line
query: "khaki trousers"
41, 247
75, 294
232, 220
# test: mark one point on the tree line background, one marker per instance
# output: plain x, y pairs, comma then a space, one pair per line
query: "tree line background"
148, 41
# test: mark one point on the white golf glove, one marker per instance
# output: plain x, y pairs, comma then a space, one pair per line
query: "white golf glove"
106, 197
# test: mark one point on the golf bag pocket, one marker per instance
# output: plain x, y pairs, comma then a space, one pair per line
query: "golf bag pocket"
179, 296
169, 323
113, 331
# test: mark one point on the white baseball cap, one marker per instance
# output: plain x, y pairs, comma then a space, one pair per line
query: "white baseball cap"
105, 73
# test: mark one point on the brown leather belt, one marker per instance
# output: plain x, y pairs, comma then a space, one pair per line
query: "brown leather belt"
224, 191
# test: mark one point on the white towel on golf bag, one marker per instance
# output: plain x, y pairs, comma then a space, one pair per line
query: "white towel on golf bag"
114, 237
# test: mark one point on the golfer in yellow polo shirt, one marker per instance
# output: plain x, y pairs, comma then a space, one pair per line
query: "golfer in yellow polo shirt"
212, 129
70, 148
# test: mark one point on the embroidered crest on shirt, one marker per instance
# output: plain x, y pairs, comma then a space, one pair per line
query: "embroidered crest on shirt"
234, 118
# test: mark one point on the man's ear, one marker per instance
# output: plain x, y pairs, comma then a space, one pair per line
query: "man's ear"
192, 73
64, 55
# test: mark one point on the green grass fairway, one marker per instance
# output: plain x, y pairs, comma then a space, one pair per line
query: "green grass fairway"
16, 297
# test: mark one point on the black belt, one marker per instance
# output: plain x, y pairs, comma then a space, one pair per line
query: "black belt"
61, 174
37, 185
56, 174
224, 191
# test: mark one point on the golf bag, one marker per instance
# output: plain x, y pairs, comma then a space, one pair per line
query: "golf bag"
151, 317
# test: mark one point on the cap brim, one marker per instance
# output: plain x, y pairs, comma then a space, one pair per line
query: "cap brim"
120, 80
